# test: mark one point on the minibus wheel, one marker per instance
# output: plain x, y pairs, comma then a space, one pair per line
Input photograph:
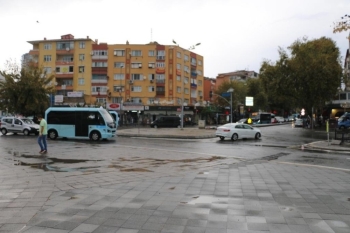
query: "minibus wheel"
52, 134
95, 136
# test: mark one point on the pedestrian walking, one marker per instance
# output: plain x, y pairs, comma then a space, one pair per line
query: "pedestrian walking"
42, 135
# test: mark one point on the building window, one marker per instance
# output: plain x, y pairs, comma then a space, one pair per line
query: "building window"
186, 80
119, 64
199, 62
199, 72
58, 69
65, 45
178, 66
118, 76
99, 89
160, 54
136, 53
100, 53
178, 54
186, 91
81, 57
199, 82
136, 76
118, 88
160, 77
81, 81
71, 69
186, 69
117, 99
151, 53
47, 46
47, 70
136, 89
119, 53
178, 89
193, 61
200, 93
136, 100
342, 96
186, 57
160, 64
150, 89
81, 69
178, 77
99, 64
101, 100
151, 65
136, 65
47, 57
151, 76
81, 45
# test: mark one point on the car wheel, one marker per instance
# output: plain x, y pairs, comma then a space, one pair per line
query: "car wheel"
3, 131
234, 137
52, 134
95, 136
257, 135
26, 132
222, 138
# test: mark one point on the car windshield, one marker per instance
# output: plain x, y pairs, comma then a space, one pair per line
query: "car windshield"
28, 121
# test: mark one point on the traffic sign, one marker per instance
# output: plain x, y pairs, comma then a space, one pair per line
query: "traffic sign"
225, 94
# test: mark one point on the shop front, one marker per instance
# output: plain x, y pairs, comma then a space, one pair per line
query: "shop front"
151, 113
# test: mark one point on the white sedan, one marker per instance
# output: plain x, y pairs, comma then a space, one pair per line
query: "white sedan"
236, 131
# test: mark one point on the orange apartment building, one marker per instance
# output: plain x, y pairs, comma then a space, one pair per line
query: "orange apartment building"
151, 79
239, 75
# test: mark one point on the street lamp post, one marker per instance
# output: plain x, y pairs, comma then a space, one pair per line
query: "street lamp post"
231, 91
182, 85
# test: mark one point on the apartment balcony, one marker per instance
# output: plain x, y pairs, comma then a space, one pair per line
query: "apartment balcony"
64, 87
64, 51
99, 93
34, 52
99, 81
160, 71
64, 75
99, 70
63, 62
160, 82
193, 86
160, 93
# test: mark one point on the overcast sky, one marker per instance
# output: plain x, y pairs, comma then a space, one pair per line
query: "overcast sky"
234, 35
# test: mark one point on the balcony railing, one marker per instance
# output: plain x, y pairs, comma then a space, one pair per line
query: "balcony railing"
160, 80
160, 92
99, 81
98, 93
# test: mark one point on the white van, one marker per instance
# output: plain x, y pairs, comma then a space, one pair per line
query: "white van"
19, 125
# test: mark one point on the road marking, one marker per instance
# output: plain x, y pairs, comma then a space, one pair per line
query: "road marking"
319, 166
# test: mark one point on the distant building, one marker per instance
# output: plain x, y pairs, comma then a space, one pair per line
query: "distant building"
239, 75
134, 78
27, 59
209, 85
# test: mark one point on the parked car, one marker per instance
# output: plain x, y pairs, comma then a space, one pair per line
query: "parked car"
18, 125
288, 118
344, 124
236, 131
279, 119
167, 121
299, 122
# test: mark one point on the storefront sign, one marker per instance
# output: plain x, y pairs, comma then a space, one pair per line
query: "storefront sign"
75, 94
113, 106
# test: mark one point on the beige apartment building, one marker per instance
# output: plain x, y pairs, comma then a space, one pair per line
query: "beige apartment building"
134, 79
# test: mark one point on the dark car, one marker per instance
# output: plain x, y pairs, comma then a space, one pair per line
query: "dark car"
167, 121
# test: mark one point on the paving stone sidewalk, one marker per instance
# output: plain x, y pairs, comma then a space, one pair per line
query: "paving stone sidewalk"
223, 196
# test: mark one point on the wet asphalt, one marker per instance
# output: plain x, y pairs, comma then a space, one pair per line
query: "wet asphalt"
134, 184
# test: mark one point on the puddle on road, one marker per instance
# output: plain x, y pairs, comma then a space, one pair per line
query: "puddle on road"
274, 157
46, 163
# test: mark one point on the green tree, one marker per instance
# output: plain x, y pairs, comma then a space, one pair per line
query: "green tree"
307, 78
342, 25
25, 91
238, 95
256, 90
